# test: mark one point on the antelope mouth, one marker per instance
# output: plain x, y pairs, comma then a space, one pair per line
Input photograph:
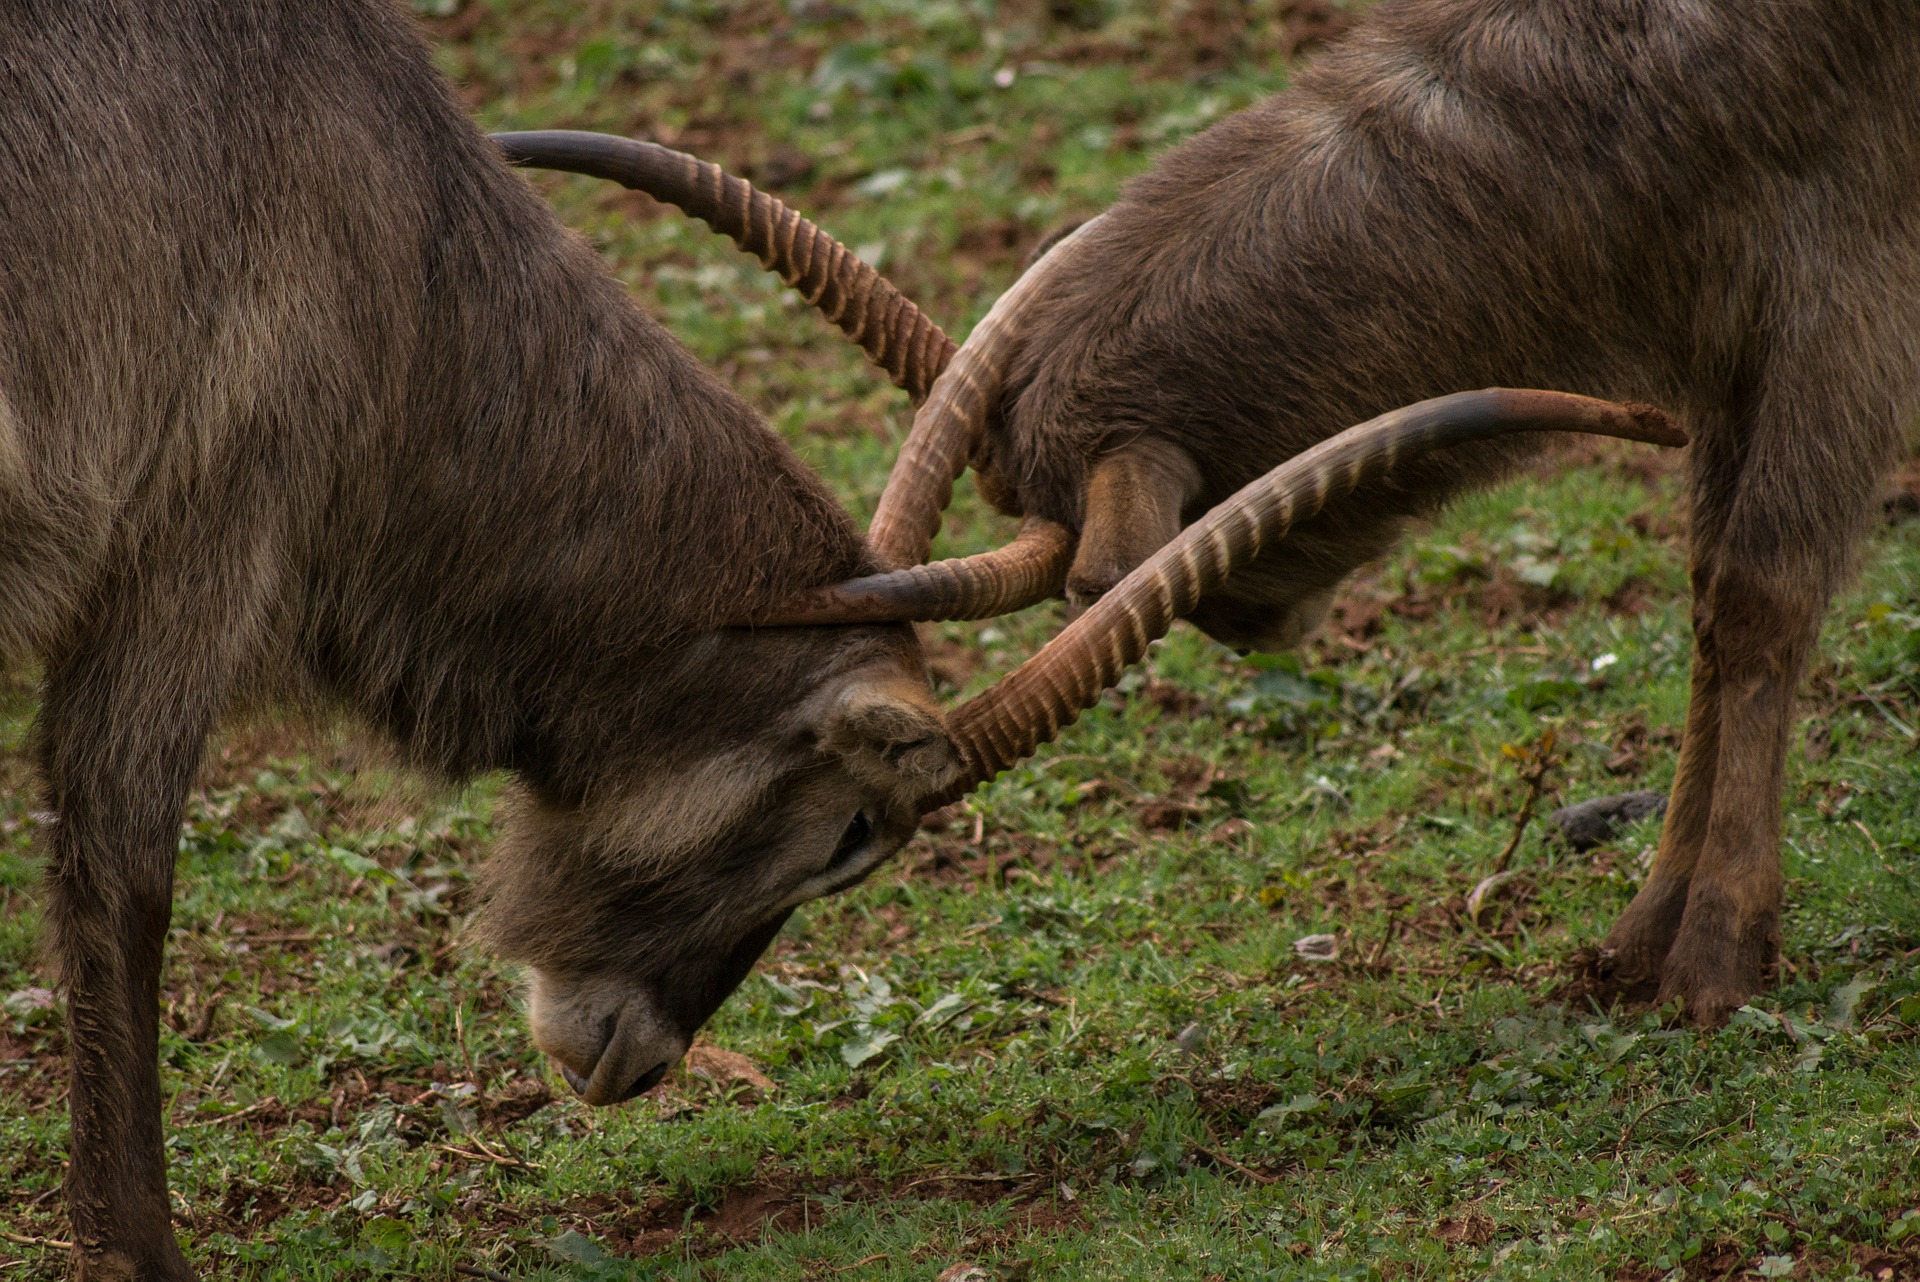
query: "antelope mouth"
583, 1086
610, 1059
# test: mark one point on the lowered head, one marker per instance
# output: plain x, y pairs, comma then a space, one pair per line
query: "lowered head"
639, 904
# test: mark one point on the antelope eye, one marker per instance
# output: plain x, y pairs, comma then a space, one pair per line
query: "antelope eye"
853, 838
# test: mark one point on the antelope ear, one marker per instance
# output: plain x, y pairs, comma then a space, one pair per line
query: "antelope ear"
892, 735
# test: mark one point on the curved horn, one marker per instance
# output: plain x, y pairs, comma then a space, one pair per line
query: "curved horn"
1025, 572
952, 422
1031, 705
895, 334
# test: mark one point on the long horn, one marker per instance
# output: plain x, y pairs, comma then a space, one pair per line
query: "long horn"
894, 333
1032, 704
1025, 572
952, 422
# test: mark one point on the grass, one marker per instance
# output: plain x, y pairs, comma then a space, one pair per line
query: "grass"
1071, 1035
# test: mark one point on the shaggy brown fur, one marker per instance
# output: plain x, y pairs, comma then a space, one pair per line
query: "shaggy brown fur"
1710, 205
303, 393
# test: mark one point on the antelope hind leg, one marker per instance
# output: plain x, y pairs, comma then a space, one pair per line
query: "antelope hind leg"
1781, 523
1728, 942
1633, 956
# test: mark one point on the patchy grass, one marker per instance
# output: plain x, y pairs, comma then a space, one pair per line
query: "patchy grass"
1069, 1035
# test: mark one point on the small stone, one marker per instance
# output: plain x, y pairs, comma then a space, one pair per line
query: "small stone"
1592, 823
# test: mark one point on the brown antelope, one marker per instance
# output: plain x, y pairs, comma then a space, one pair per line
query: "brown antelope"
304, 395
1706, 204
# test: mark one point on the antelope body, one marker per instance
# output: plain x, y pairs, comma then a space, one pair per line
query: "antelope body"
1705, 204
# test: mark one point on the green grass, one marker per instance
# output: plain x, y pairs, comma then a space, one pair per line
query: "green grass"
1070, 1036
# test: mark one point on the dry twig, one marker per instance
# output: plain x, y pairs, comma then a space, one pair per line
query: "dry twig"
27, 1239
1536, 763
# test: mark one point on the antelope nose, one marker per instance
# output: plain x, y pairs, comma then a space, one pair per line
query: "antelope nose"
646, 1081
638, 1045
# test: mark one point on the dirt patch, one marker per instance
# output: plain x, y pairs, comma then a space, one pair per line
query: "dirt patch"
245, 1206
1229, 1105
1720, 1260
1887, 1264
1469, 1228
1638, 1273
1197, 789
750, 1212
960, 855
744, 1214
1497, 598
33, 1069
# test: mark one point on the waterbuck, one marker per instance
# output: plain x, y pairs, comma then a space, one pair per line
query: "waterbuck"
1707, 204
304, 395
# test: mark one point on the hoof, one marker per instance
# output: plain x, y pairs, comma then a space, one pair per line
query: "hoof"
1719, 963
1632, 960
1707, 1004
164, 1263
1629, 976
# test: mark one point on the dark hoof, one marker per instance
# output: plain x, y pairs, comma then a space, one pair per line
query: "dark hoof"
1622, 977
1718, 964
1708, 1007
1590, 976
163, 1264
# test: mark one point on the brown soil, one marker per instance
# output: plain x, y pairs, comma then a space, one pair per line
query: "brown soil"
1468, 1228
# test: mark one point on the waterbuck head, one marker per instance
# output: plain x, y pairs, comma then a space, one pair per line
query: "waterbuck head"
641, 902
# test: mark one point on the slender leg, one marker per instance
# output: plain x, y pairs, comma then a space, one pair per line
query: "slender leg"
1729, 937
129, 699
1634, 953
1779, 501
117, 769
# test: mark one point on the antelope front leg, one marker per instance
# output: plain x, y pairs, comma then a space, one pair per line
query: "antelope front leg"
117, 783
1134, 500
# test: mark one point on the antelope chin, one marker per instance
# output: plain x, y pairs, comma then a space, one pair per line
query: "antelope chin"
585, 1089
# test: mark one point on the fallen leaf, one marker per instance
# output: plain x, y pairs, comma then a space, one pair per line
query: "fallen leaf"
1478, 897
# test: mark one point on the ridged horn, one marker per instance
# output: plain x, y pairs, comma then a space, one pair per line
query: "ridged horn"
952, 422
1025, 572
1032, 704
896, 335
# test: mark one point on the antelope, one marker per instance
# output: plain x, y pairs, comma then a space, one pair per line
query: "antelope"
305, 396
1702, 204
